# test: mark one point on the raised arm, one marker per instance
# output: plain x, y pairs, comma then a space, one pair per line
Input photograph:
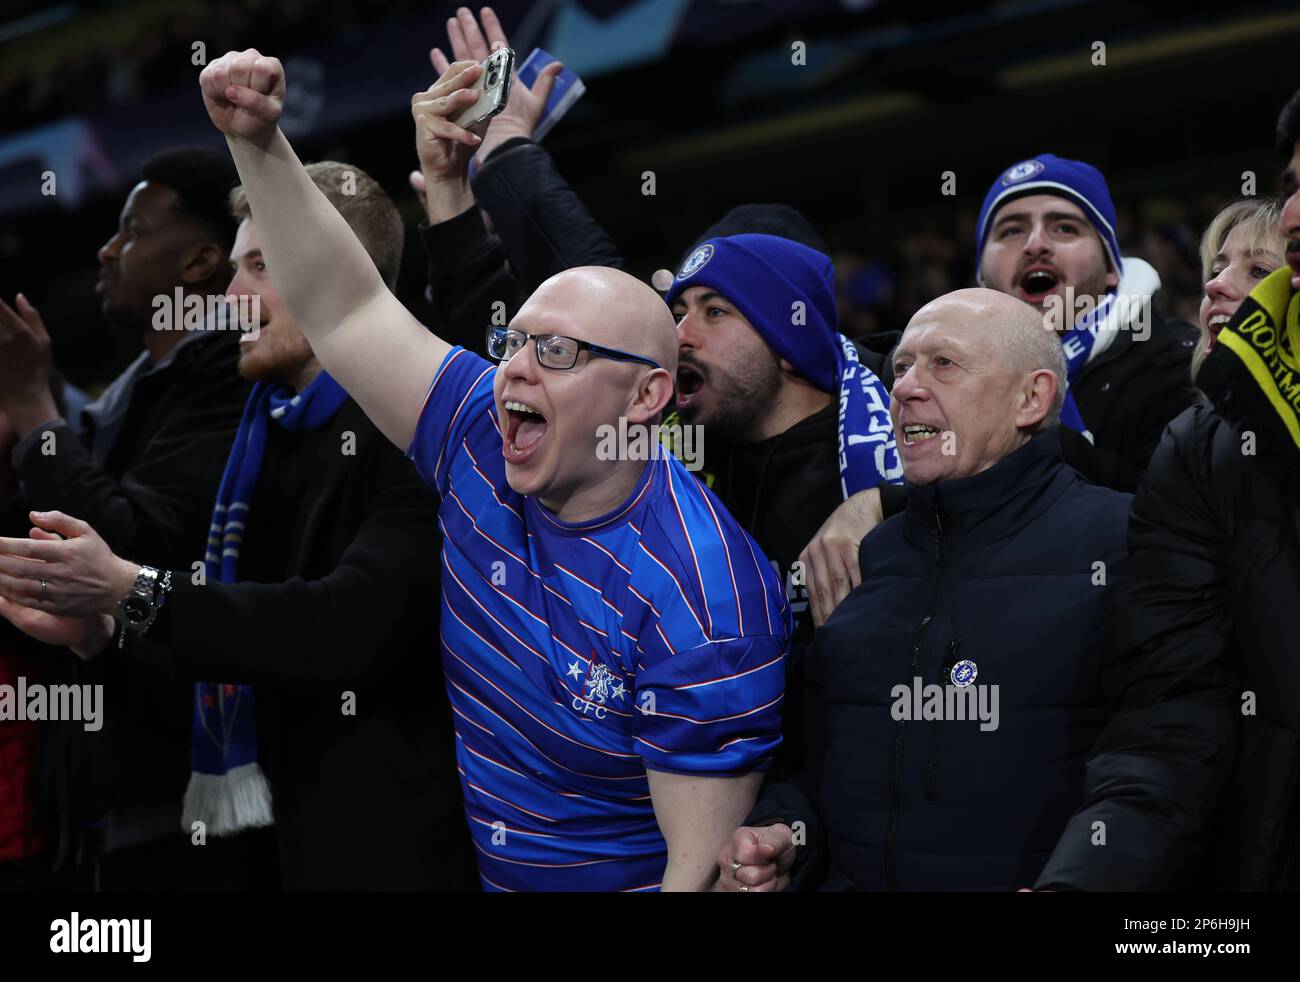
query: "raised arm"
542, 224
361, 333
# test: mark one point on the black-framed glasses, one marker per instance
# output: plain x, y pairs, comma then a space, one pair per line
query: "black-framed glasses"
554, 351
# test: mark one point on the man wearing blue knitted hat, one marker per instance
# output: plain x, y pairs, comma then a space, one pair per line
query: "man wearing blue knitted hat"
1047, 235
796, 418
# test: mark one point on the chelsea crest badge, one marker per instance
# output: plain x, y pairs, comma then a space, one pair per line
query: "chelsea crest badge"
963, 673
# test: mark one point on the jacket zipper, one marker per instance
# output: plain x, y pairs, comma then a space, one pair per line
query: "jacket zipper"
932, 767
896, 763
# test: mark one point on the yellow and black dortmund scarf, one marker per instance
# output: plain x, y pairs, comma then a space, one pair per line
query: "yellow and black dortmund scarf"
1253, 374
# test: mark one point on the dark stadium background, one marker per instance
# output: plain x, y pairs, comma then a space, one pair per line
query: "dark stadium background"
703, 93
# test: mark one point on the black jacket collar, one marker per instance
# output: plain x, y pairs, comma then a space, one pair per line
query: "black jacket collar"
995, 503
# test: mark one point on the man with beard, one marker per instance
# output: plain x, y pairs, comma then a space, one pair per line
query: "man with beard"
795, 417
319, 569
1046, 235
143, 472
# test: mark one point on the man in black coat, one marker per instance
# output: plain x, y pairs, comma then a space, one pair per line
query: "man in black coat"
1046, 235
141, 464
1194, 777
152, 443
330, 621
960, 678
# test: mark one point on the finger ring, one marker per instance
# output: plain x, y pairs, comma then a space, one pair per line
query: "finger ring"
744, 888
45, 593
735, 867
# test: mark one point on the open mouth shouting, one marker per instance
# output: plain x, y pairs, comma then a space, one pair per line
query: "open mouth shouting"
914, 433
525, 430
690, 380
1036, 282
1214, 325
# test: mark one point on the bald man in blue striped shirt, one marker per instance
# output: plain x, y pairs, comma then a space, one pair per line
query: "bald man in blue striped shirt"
605, 663
614, 643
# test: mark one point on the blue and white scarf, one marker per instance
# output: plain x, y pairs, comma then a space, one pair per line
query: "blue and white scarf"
1077, 346
868, 452
1095, 329
228, 791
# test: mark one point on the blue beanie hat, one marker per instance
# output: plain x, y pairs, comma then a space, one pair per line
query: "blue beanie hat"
786, 290
764, 277
1049, 174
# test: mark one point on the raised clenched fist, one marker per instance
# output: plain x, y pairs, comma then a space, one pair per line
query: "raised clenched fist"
244, 93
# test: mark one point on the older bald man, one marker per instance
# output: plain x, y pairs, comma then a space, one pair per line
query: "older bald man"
961, 678
613, 642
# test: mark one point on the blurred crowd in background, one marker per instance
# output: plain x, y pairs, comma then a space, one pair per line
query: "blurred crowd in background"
82, 60
880, 290
89, 72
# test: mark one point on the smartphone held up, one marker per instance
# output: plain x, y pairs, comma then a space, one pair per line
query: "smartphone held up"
492, 89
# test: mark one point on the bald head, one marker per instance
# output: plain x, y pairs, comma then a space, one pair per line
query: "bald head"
976, 375
555, 422
982, 304
605, 306
1015, 333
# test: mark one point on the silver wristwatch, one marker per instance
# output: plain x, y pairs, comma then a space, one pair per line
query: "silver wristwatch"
139, 607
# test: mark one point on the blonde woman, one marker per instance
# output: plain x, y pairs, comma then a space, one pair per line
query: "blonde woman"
1239, 248
1194, 776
